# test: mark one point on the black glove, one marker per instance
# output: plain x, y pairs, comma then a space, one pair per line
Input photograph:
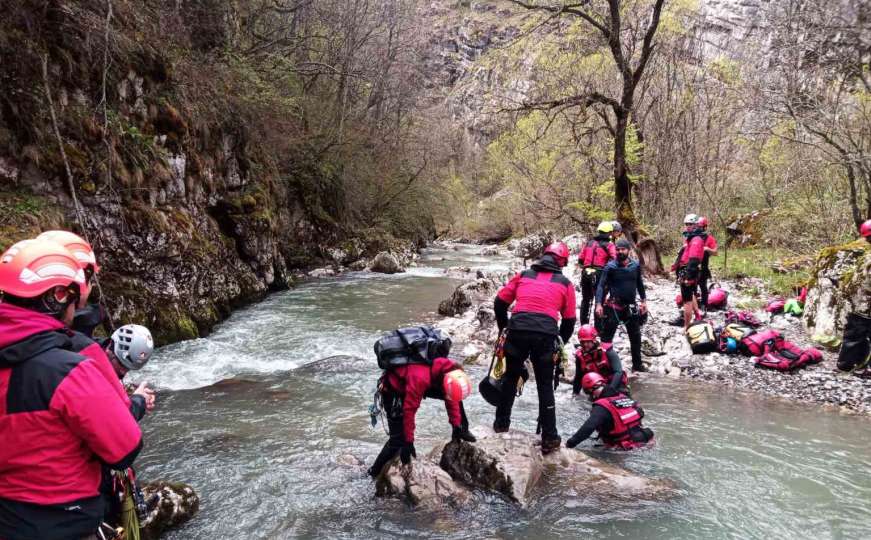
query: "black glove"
407, 453
572, 442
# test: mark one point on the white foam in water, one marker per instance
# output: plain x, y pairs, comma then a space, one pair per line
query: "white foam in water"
319, 319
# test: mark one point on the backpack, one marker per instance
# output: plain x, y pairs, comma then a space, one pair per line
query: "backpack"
737, 331
787, 356
412, 345
761, 342
701, 338
743, 317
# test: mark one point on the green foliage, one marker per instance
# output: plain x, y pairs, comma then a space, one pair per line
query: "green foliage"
760, 263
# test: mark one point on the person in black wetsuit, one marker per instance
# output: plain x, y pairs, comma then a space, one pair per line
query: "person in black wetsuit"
617, 303
614, 415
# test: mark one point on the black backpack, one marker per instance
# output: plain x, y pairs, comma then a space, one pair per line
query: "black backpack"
412, 345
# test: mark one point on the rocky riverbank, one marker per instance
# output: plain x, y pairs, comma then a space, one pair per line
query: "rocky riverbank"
472, 324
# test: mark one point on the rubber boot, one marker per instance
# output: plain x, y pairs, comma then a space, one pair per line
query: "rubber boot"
501, 424
550, 445
463, 434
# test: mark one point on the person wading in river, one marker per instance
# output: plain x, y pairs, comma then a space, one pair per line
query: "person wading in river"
594, 256
616, 301
593, 357
542, 296
855, 353
403, 388
615, 416
63, 414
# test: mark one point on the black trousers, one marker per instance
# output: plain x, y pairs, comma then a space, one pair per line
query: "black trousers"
392, 404
703, 288
857, 342
614, 318
589, 282
539, 348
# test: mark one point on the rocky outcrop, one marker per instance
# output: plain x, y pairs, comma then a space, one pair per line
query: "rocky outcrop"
841, 284
509, 464
746, 229
531, 246
177, 504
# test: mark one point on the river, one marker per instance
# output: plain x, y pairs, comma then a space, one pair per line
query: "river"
255, 418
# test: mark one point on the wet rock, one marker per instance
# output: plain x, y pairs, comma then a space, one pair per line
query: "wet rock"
423, 484
466, 295
532, 246
512, 465
177, 504
386, 263
349, 460
490, 251
321, 273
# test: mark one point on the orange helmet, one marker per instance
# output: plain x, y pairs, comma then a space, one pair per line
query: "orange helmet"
33, 267
457, 385
81, 250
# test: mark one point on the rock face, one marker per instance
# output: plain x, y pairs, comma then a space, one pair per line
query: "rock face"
177, 504
532, 246
841, 285
746, 229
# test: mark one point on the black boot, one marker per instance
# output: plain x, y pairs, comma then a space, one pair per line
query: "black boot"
462, 434
500, 425
640, 368
550, 445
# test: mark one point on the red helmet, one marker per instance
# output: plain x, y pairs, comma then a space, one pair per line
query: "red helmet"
717, 298
77, 245
457, 385
32, 267
865, 228
703, 222
559, 250
588, 332
591, 381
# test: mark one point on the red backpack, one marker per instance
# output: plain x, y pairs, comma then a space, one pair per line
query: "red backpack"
788, 356
761, 342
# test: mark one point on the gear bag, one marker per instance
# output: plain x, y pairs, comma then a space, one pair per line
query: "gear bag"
737, 331
702, 338
743, 317
412, 345
787, 356
761, 342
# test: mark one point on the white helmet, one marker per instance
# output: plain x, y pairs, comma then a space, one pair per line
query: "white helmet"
133, 345
691, 219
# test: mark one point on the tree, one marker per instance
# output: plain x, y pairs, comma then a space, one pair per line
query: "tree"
620, 27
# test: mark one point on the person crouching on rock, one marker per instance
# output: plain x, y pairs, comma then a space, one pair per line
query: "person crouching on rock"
402, 389
593, 357
542, 296
855, 354
615, 416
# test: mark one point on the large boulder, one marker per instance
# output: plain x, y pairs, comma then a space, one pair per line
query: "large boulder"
177, 503
512, 464
841, 284
467, 295
386, 263
532, 246
423, 484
